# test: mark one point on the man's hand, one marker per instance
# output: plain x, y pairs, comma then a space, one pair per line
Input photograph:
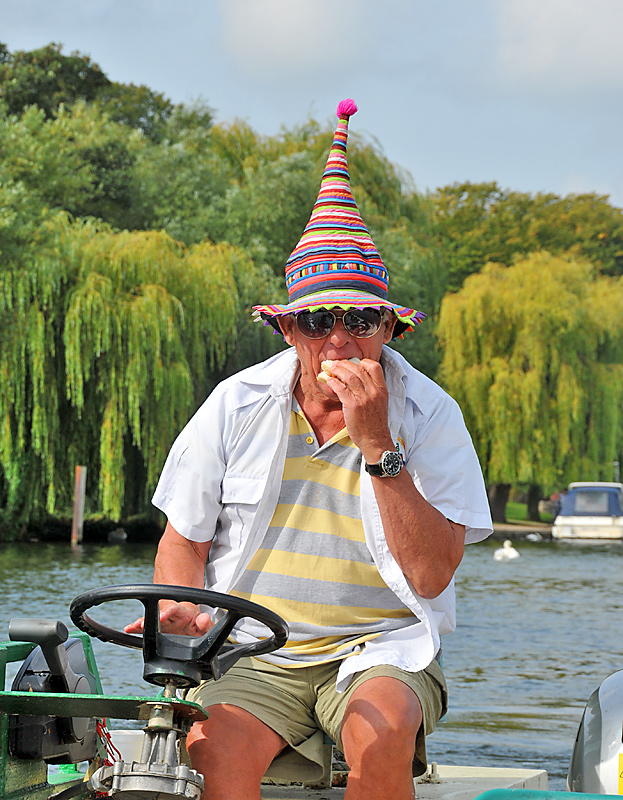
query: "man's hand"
181, 618
362, 391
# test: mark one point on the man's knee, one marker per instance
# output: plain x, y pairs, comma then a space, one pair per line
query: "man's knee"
232, 734
382, 719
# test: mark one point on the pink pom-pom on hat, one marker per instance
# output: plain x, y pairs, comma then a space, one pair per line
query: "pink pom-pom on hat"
346, 108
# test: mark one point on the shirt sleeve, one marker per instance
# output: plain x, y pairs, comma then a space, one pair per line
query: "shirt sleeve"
189, 489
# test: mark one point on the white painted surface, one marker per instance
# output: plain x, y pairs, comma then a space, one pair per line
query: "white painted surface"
466, 783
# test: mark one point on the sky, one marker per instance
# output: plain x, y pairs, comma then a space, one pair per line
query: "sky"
527, 93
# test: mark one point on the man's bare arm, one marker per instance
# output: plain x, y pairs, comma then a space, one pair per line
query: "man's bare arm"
427, 546
179, 562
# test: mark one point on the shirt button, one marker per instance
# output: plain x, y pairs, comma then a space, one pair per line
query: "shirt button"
310, 440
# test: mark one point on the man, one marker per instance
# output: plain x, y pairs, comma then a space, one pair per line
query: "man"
343, 503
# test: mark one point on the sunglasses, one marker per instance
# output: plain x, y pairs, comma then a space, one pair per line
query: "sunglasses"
360, 322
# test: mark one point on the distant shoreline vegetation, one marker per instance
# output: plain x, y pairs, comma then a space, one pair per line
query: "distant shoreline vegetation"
136, 234
142, 529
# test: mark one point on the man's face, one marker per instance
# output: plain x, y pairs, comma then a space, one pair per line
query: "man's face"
337, 345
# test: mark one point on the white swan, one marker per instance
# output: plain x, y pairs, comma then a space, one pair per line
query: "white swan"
506, 553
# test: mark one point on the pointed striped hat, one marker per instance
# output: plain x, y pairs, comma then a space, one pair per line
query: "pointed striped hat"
336, 264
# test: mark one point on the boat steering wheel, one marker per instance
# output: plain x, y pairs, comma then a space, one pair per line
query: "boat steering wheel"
171, 658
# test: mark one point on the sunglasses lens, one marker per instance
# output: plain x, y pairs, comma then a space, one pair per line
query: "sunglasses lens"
363, 322
315, 324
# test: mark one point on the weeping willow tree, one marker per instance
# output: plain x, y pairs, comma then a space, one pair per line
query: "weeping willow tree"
108, 343
534, 355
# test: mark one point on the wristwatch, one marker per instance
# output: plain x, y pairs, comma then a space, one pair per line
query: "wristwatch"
388, 467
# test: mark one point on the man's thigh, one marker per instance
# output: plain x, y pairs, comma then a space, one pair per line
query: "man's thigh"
280, 698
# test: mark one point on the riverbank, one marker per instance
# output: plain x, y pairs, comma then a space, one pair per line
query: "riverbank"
522, 530
138, 530
143, 530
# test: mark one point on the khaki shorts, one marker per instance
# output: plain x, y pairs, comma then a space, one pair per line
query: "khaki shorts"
297, 702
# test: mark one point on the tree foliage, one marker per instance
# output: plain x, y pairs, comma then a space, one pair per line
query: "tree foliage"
480, 223
47, 78
78, 161
135, 235
137, 107
533, 354
108, 343
267, 210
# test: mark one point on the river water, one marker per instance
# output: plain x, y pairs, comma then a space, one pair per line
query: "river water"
535, 637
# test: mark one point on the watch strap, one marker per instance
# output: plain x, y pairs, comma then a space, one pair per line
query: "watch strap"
375, 469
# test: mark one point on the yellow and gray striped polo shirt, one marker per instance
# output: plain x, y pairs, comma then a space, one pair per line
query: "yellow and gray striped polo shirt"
314, 567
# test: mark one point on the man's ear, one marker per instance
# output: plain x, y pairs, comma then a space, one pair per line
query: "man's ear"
389, 321
286, 324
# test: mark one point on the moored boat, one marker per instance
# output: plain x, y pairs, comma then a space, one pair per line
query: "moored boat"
590, 510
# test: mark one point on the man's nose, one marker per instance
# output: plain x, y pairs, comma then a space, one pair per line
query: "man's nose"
339, 334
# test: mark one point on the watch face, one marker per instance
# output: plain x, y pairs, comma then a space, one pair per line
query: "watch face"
392, 463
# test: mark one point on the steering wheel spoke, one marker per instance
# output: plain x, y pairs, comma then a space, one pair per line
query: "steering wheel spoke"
218, 634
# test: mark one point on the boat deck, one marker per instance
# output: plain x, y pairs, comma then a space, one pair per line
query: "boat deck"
440, 783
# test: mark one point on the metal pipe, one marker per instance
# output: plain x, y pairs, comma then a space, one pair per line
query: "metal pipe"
160, 746
170, 753
147, 747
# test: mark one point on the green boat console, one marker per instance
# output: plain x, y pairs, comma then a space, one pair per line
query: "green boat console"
55, 713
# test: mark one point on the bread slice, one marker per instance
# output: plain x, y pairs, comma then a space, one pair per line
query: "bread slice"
326, 373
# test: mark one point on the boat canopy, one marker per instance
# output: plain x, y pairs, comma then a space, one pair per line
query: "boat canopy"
592, 501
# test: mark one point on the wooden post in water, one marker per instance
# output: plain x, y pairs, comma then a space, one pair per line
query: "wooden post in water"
80, 484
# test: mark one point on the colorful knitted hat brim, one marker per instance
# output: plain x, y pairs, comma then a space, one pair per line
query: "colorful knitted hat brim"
406, 317
336, 263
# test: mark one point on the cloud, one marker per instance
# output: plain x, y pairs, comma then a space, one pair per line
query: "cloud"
560, 46
267, 38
